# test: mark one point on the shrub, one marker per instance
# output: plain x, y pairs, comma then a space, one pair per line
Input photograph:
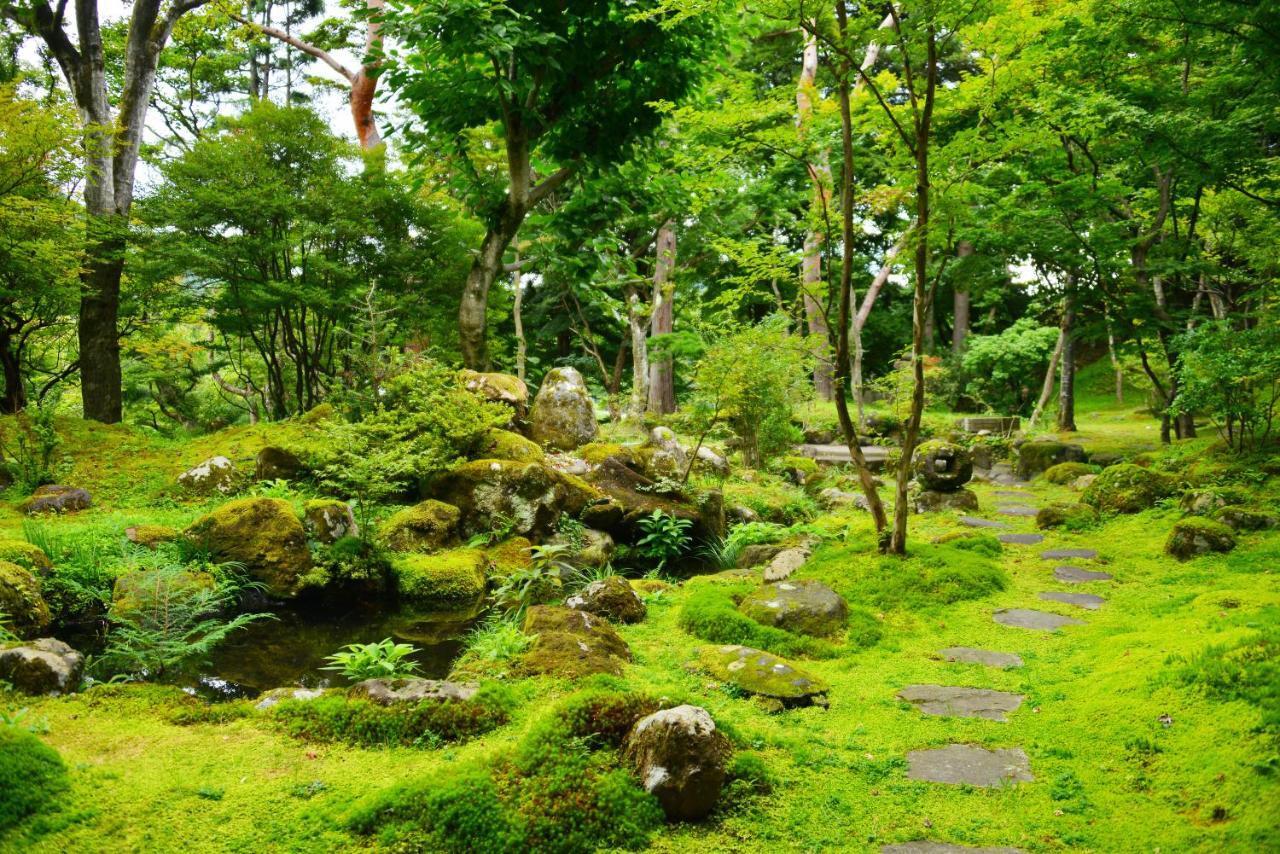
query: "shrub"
664, 537
382, 660
1005, 369
496, 638
1234, 376
711, 612
28, 453
32, 775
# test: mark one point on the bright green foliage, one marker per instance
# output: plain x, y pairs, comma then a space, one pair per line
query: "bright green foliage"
383, 659
496, 638
25, 555
441, 582
27, 453
20, 599
32, 775
1002, 369
1247, 670
538, 583
663, 537
710, 612
1073, 517
1127, 488
1233, 375
1064, 473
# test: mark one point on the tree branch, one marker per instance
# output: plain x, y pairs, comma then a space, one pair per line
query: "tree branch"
295, 42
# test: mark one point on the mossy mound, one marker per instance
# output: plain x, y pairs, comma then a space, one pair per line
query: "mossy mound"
1036, 457
1246, 518
151, 536
25, 612
25, 555
506, 389
1205, 502
526, 498
572, 643
805, 606
505, 445
1195, 536
32, 775
761, 673
1075, 517
328, 520
1127, 488
509, 555
423, 527
711, 612
1064, 473
264, 535
447, 581
597, 452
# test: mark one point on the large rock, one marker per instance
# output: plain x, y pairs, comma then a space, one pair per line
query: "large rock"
611, 598
590, 548
942, 466
526, 498
26, 555
274, 463
1205, 502
680, 758
25, 612
506, 445
1127, 488
424, 527
764, 674
931, 501
1195, 536
44, 666
1246, 519
393, 692
632, 498
662, 455
55, 498
1074, 516
263, 535
563, 416
572, 643
1065, 473
1037, 456
327, 520
216, 475
449, 581
759, 555
499, 388
807, 607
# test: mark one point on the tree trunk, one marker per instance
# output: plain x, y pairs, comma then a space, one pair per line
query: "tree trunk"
960, 303
637, 320
662, 389
1116, 367
1067, 383
811, 263
15, 391
98, 332
1047, 388
517, 318
472, 323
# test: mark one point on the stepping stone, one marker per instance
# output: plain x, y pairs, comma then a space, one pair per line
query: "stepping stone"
1081, 600
1076, 575
1021, 539
1064, 554
975, 522
1012, 493
991, 658
1016, 510
1026, 618
925, 847
957, 702
975, 766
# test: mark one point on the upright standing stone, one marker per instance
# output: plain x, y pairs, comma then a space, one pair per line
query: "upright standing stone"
563, 416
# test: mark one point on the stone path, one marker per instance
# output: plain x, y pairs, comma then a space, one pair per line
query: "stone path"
1081, 600
1076, 575
974, 766
961, 702
975, 522
923, 847
1026, 618
1016, 510
1021, 539
990, 658
1069, 554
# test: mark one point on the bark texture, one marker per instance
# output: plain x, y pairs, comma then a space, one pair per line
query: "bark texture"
662, 389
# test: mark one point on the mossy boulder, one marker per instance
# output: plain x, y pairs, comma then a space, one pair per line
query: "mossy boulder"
506, 389
1206, 502
526, 498
1036, 457
273, 463
264, 535
424, 527
25, 555
563, 416
55, 498
1065, 473
1127, 488
328, 520
505, 445
931, 501
44, 666
661, 454
25, 611
1195, 536
1064, 514
611, 598
214, 476
319, 414
941, 466
681, 759
151, 536
1246, 518
796, 468
632, 497
139, 593
764, 674
596, 453
806, 607
572, 644
509, 555
32, 777
444, 582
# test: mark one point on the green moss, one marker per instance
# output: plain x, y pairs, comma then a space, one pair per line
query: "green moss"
509, 555
597, 452
264, 535
1195, 536
772, 499
505, 445
151, 536
421, 528
710, 612
1248, 670
441, 582
32, 776
572, 644
25, 555
1035, 457
758, 672
807, 466
320, 413
1062, 514
1064, 473
1246, 518
26, 613
1127, 488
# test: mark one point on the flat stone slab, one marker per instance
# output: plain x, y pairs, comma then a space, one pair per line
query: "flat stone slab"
991, 658
875, 455
926, 847
1012, 493
975, 522
1021, 539
1069, 554
1026, 618
1076, 575
959, 702
1016, 510
975, 766
1081, 600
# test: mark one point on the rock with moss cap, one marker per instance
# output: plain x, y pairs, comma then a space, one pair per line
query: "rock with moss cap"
589, 548
151, 536
804, 606
504, 445
328, 520
932, 501
1196, 536
25, 555
1246, 518
596, 453
216, 475
444, 582
525, 498
572, 644
499, 388
563, 416
763, 674
424, 527
263, 535
681, 759
274, 463
611, 598
44, 666
1206, 502
941, 466
1064, 514
634, 496
508, 556
661, 454
1035, 456
1127, 488
1065, 473
25, 611
56, 498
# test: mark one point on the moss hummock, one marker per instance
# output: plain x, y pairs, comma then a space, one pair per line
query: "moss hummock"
1195, 536
151, 536
505, 445
448, 581
572, 643
509, 555
1127, 488
24, 609
421, 528
25, 555
264, 535
1062, 514
32, 775
597, 452
1064, 473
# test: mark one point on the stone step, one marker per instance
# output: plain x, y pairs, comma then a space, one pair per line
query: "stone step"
975, 522
924, 846
988, 657
965, 764
1076, 575
1088, 601
875, 455
1016, 510
1021, 539
959, 702
1003, 425
1027, 618
1069, 554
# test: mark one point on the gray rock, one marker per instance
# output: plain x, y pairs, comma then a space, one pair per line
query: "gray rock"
999, 424
764, 674
214, 475
274, 463
709, 461
987, 657
499, 388
959, 702
663, 455
1021, 539
1088, 601
681, 759
758, 555
832, 497
925, 847
974, 766
784, 563
1083, 482
388, 692
611, 598
563, 416
807, 607
1016, 510
44, 666
1026, 618
55, 498
942, 466
930, 501
1076, 575
1069, 554
975, 522
276, 696
328, 521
